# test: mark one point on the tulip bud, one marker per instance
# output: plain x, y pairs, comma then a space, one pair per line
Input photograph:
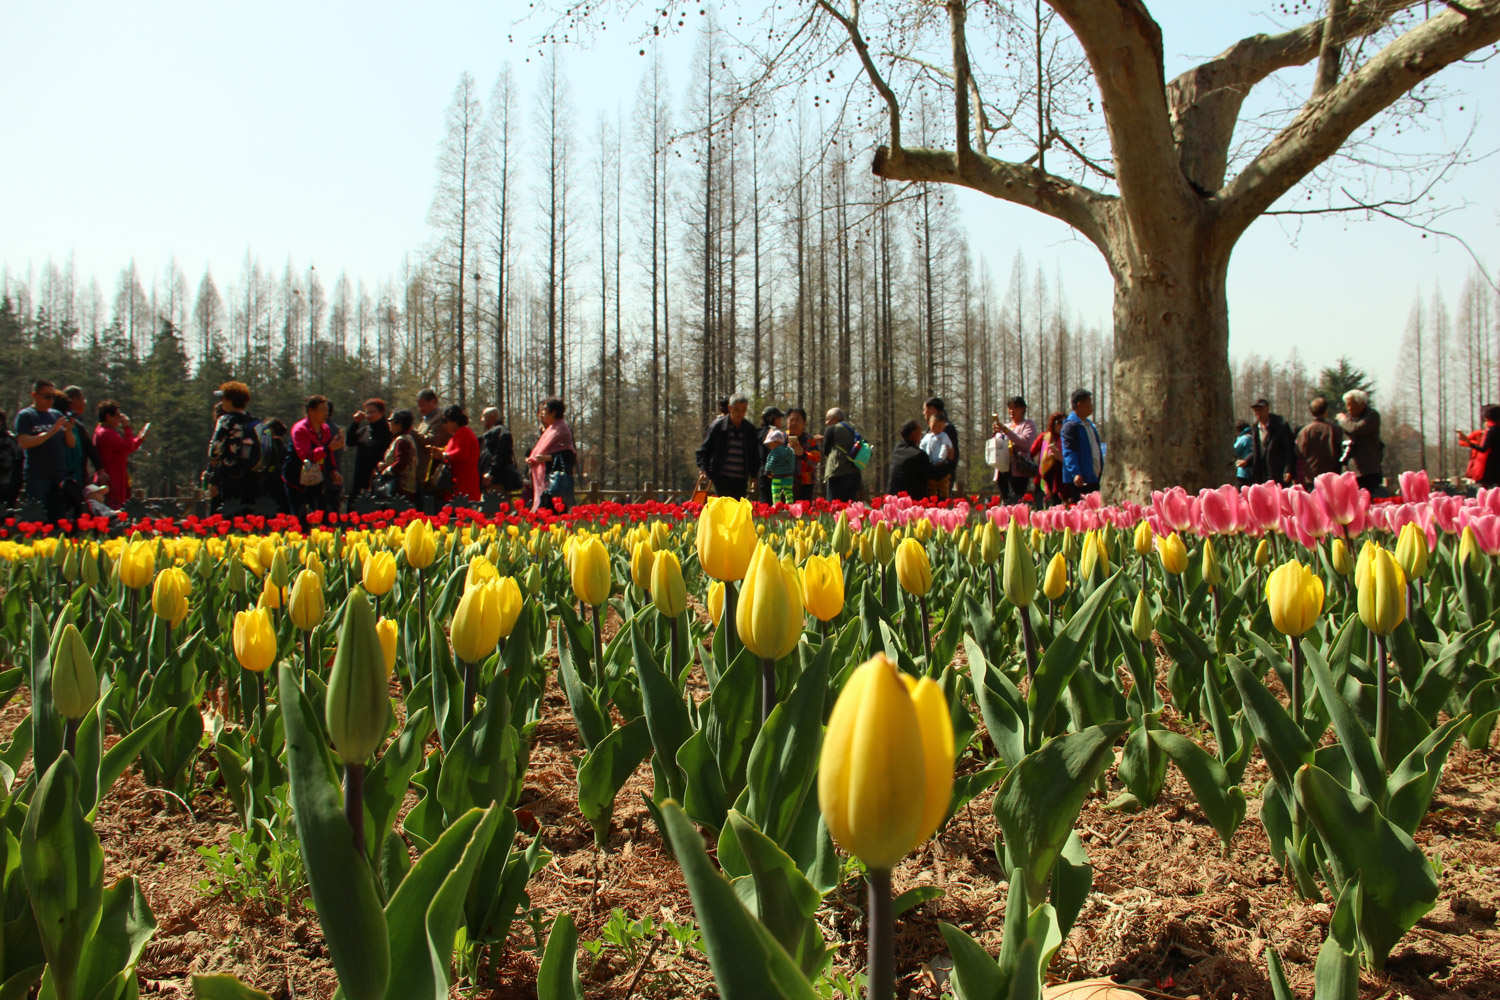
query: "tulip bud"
1141, 623
387, 631
913, 569
866, 548
75, 686
1338, 556
271, 596
1088, 560
1020, 568
70, 567
533, 580
823, 587
254, 639
137, 564
641, 558
1173, 553
237, 582
885, 774
358, 710
305, 604
1211, 572
667, 589
476, 623
1143, 539
1382, 593
379, 573
590, 571
885, 545
726, 538
419, 544
716, 601
843, 539
769, 614
1055, 583
280, 572
1411, 551
89, 568
1262, 553
1468, 547
1294, 595
989, 542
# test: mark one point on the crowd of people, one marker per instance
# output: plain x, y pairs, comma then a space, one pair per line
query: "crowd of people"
401, 459
429, 457
781, 460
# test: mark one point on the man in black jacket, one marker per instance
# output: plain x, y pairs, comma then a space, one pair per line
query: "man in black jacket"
728, 452
910, 467
497, 455
1274, 458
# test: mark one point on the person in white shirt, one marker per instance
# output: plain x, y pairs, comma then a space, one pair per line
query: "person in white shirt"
938, 447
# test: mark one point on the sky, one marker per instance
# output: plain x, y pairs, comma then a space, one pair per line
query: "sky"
309, 132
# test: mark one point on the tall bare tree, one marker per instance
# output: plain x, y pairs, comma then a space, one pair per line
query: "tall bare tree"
455, 206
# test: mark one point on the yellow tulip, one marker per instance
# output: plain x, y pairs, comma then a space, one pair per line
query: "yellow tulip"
642, 555
1468, 547
716, 601
169, 595
75, 685
1141, 625
726, 538
510, 601
843, 539
590, 571
885, 545
271, 596
1411, 551
254, 640
1262, 553
823, 587
1173, 553
990, 548
1019, 573
1088, 559
1294, 594
667, 589
1338, 556
1212, 575
137, 564
913, 569
885, 775
1382, 593
279, 572
769, 613
1055, 583
476, 624
480, 570
378, 575
358, 709
387, 631
1143, 539
419, 544
305, 604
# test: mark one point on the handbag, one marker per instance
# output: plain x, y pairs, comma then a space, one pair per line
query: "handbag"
311, 474
439, 477
559, 479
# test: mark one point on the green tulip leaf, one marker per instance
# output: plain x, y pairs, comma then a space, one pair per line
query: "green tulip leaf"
784, 759
605, 769
225, 987
558, 977
1064, 654
63, 867
1221, 799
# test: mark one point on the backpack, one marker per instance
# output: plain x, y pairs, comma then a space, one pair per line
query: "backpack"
861, 451
237, 449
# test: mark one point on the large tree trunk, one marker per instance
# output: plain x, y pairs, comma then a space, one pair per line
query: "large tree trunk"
1170, 416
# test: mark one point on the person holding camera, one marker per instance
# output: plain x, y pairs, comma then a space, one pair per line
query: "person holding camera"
44, 434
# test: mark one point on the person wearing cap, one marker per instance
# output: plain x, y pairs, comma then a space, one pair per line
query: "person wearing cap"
1017, 436
771, 418
729, 450
1273, 458
1082, 451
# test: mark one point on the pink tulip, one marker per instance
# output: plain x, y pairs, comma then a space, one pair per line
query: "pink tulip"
1487, 532
1445, 509
1172, 507
1415, 486
1339, 493
1310, 514
1217, 511
1292, 528
1264, 501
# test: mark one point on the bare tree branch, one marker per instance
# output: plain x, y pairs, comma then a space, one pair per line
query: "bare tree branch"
1325, 122
857, 39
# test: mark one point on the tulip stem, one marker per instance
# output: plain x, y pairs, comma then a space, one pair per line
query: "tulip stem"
767, 688
1382, 700
599, 645
673, 624
994, 587
422, 597
926, 634
882, 936
354, 803
1028, 636
470, 671
729, 617
307, 652
1297, 665
70, 737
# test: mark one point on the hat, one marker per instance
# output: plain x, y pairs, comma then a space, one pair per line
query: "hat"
769, 414
775, 436
1260, 404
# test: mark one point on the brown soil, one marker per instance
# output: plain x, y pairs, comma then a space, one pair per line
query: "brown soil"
1169, 912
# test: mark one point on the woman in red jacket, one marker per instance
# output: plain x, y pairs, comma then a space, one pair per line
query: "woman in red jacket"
461, 454
116, 442
1484, 449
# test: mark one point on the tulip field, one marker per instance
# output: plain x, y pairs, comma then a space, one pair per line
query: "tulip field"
1233, 744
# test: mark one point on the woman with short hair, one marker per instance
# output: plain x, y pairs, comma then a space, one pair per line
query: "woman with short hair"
115, 442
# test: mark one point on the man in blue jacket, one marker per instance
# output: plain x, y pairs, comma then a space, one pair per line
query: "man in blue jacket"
1082, 452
